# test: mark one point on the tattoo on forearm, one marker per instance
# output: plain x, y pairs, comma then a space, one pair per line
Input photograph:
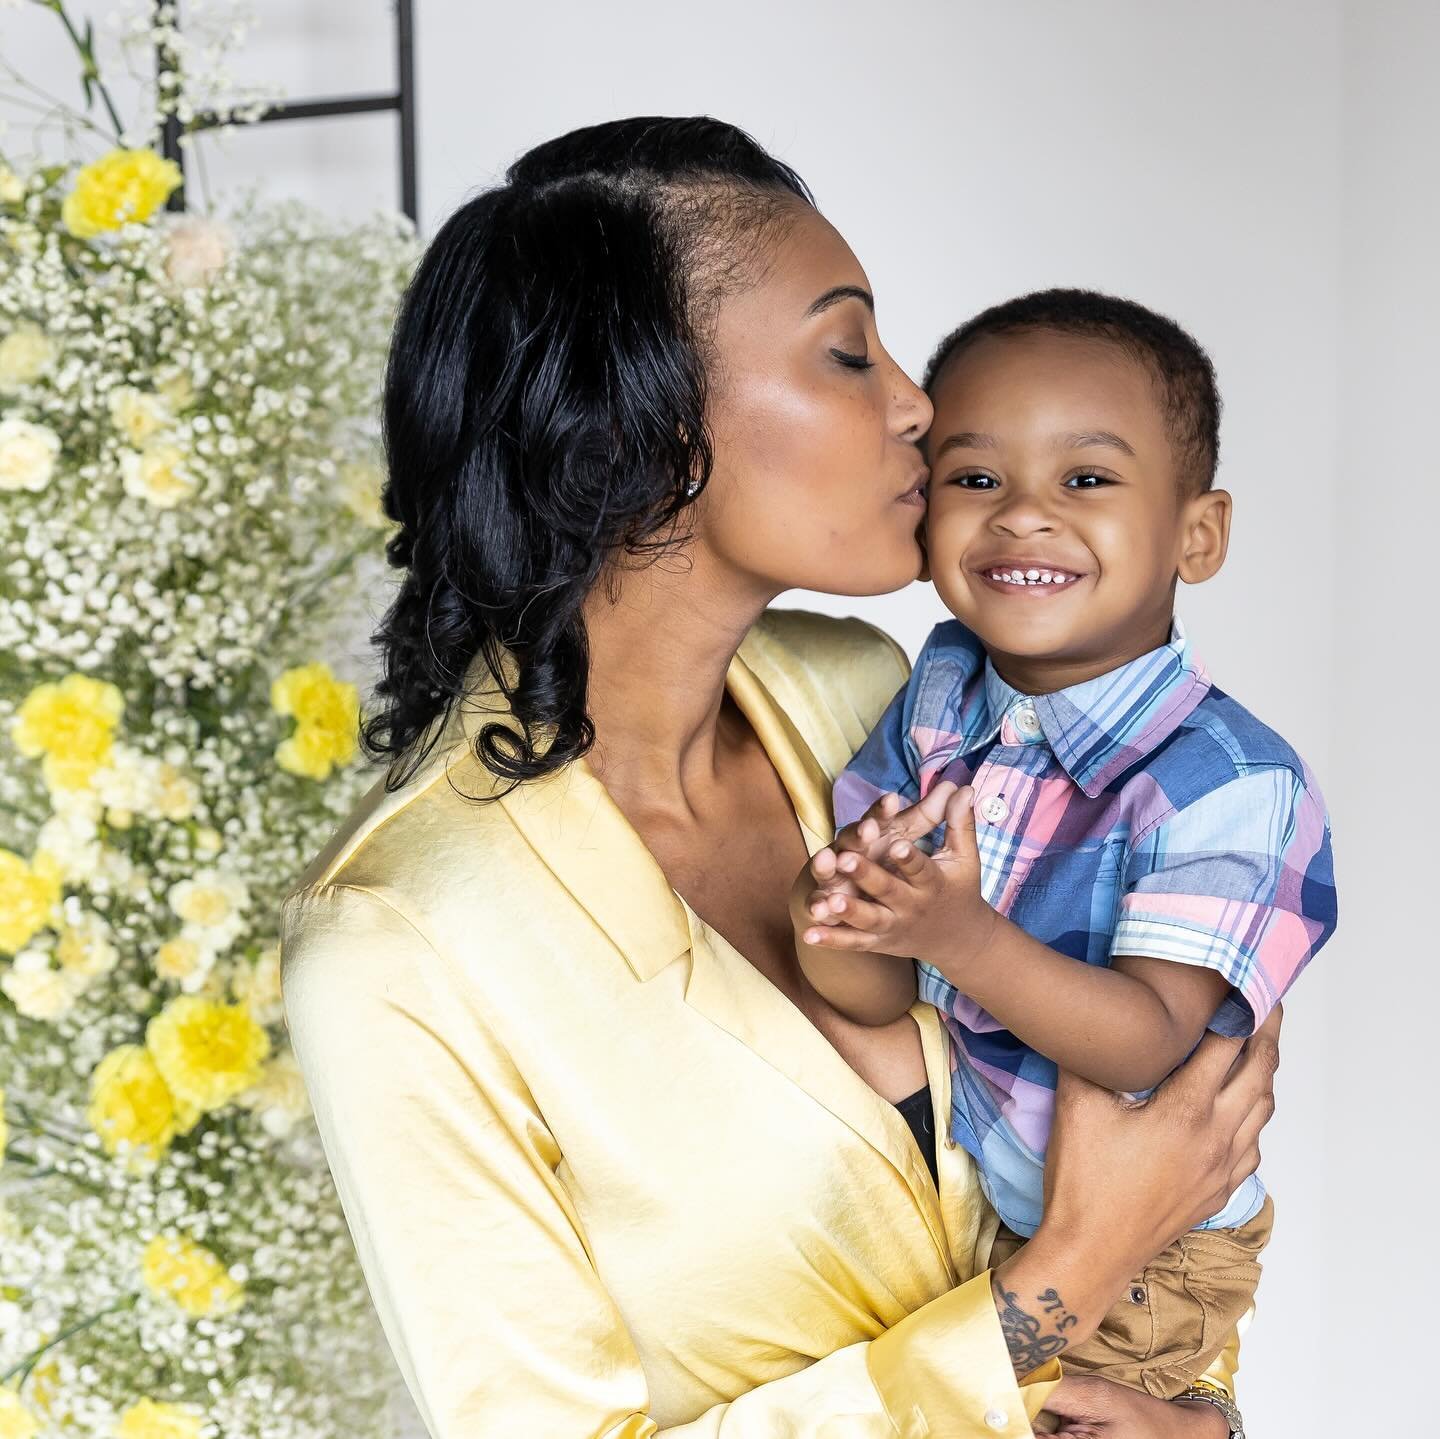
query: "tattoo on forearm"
1025, 1338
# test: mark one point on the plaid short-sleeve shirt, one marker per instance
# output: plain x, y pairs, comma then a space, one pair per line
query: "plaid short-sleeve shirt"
1143, 812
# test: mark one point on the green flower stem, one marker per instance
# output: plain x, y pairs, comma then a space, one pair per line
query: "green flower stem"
90, 74
38, 1126
16, 1156
54, 105
24, 1367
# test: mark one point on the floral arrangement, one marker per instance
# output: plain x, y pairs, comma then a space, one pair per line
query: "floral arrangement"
188, 475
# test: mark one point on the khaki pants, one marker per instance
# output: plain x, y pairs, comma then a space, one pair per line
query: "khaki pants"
1179, 1311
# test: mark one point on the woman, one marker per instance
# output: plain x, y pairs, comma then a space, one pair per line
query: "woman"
611, 1166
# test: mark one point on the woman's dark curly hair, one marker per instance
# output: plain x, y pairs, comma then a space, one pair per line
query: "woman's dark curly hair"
545, 414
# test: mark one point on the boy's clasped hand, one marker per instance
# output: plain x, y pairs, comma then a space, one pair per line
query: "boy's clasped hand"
874, 888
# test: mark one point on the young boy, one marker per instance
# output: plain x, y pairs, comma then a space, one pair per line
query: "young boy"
1131, 857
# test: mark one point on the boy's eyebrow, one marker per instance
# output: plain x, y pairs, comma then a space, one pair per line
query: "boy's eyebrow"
837, 293
1085, 440
965, 440
1077, 440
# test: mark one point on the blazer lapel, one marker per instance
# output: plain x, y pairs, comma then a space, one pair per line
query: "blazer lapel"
581, 835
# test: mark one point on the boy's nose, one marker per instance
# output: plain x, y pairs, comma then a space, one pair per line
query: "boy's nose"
1023, 518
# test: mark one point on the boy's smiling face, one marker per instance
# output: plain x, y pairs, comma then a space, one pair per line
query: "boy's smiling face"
1051, 461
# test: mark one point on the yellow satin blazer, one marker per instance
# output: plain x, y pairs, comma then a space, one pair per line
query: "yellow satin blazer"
604, 1179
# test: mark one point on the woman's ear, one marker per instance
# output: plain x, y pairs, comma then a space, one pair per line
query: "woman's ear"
1206, 536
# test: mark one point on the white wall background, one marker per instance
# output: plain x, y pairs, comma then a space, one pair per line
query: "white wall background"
1264, 172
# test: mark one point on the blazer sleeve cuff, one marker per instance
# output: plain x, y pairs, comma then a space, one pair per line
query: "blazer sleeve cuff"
945, 1370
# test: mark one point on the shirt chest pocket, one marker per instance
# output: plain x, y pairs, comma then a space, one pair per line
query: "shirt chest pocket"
1070, 899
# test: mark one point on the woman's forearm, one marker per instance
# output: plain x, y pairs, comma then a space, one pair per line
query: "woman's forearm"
1053, 1292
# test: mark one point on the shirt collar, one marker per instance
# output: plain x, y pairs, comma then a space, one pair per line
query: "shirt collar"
1096, 730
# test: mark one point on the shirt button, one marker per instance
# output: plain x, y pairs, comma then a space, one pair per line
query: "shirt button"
996, 1418
1027, 721
994, 809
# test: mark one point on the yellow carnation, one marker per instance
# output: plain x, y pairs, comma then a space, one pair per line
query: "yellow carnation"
177, 1268
29, 892
118, 188
12, 187
72, 724
159, 475
207, 1052
327, 712
130, 1102
137, 415
25, 354
16, 1421
146, 1419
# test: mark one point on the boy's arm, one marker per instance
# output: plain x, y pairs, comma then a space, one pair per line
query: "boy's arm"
867, 987
1124, 1028
1201, 929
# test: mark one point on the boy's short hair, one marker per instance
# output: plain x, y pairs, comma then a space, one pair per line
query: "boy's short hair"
1180, 367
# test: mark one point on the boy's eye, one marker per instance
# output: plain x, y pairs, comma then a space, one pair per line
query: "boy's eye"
1086, 482
974, 482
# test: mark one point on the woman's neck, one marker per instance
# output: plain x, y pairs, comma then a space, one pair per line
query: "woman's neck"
659, 653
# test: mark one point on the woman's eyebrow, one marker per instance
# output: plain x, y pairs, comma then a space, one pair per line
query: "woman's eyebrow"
842, 292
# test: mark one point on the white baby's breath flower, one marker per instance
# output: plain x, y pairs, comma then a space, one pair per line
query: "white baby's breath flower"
360, 485
27, 455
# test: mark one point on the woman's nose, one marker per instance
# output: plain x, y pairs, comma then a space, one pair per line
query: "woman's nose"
911, 410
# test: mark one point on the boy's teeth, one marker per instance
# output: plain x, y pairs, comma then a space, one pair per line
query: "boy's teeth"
1031, 577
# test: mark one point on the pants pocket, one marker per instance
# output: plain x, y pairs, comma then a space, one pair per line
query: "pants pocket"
1179, 1312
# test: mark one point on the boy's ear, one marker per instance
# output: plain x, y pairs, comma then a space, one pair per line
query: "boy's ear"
1206, 532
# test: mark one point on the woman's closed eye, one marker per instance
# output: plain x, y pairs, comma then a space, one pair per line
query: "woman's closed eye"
852, 361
